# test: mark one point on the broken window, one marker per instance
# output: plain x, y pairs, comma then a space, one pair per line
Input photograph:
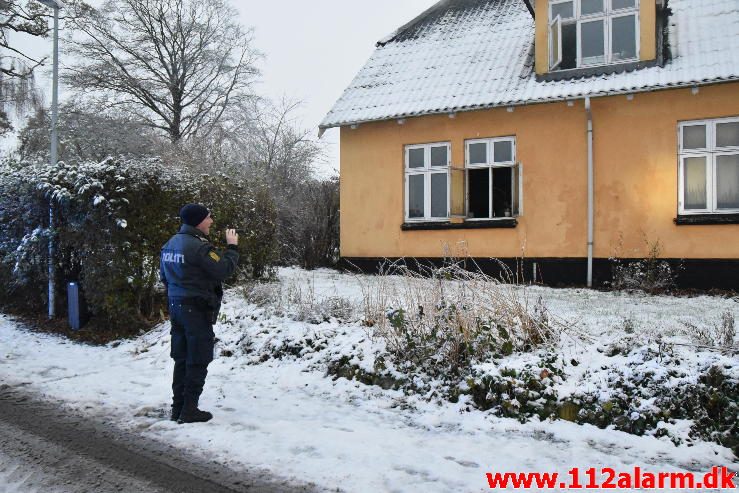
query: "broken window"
569, 46
493, 178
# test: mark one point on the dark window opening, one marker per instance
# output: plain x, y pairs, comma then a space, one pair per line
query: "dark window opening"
479, 190
569, 46
415, 199
502, 192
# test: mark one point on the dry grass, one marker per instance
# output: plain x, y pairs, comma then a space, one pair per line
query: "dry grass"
720, 334
297, 299
448, 317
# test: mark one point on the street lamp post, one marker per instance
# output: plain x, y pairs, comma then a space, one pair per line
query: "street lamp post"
56, 5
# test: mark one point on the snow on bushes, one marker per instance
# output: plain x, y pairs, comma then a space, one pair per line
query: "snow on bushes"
107, 237
112, 217
628, 377
650, 274
443, 320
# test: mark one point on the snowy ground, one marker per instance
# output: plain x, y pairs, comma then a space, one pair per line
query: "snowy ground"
285, 416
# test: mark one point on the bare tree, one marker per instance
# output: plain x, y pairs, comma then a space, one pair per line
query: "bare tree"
17, 89
261, 139
86, 134
18, 17
176, 65
281, 149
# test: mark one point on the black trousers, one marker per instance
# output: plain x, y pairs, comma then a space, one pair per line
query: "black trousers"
192, 350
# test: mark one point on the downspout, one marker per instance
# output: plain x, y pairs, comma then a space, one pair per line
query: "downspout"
589, 114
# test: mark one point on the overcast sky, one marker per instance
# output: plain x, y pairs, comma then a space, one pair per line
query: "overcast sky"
312, 49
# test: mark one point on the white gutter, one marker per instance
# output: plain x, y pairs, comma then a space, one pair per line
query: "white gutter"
590, 191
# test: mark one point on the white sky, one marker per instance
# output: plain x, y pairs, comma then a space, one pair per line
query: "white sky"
312, 50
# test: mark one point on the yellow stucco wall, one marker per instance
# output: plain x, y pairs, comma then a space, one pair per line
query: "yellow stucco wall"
636, 168
647, 28
541, 43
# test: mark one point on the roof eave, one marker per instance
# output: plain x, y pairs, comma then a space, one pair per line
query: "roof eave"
530, 7
326, 126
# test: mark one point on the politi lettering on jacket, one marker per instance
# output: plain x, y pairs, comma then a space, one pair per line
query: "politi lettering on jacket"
173, 257
188, 269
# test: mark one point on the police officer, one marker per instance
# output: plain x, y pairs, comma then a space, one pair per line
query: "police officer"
192, 270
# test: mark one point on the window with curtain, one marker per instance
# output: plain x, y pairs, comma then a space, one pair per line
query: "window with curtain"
709, 166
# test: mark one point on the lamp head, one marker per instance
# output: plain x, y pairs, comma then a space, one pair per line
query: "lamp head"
52, 3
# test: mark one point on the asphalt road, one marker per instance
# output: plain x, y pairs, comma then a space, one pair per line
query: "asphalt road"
44, 449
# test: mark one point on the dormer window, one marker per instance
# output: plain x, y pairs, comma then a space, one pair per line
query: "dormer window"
591, 33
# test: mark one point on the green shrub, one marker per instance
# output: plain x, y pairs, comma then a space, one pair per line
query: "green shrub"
112, 219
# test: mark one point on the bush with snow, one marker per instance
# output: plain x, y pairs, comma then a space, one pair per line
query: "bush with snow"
112, 218
298, 301
650, 274
719, 334
442, 320
625, 377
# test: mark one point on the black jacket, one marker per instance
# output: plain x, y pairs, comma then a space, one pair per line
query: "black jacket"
190, 267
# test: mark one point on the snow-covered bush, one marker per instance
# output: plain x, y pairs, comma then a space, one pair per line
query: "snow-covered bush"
624, 377
259, 238
644, 403
298, 301
23, 241
650, 274
241, 197
441, 320
112, 218
261, 294
314, 233
518, 393
718, 334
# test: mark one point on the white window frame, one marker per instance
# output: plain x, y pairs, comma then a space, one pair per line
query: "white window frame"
555, 27
427, 170
588, 20
606, 17
710, 152
490, 164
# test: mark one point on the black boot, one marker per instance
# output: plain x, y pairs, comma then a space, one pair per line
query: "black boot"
176, 410
191, 414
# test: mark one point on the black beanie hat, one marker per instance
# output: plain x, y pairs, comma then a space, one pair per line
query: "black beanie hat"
193, 214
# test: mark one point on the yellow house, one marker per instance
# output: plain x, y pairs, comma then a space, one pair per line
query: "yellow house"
561, 132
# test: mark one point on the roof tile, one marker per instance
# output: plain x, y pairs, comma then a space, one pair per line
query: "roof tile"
471, 54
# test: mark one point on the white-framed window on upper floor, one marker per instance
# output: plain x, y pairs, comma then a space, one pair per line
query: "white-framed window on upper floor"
427, 181
494, 178
709, 166
590, 33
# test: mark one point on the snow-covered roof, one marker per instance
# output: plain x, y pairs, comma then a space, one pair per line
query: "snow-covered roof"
471, 54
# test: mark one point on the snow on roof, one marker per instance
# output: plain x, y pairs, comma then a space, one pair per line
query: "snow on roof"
471, 54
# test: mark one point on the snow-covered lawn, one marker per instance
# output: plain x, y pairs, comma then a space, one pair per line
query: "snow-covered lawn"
286, 416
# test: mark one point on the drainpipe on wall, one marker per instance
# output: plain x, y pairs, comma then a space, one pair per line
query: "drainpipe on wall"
590, 192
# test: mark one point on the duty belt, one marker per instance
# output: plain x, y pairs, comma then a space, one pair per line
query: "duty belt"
190, 301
